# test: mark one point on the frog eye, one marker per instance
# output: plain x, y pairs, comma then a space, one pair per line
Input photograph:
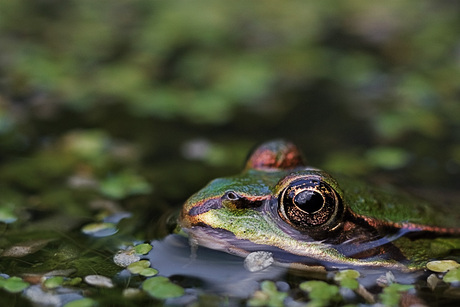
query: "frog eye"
309, 203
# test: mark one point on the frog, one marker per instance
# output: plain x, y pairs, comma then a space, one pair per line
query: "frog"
305, 217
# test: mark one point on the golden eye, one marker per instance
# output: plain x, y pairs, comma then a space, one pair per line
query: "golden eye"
309, 203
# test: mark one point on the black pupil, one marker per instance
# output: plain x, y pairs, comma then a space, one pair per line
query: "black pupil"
309, 201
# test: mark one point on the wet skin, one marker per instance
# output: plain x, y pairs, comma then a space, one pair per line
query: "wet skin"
306, 217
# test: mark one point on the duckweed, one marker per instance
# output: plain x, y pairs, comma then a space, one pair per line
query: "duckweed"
442, 266
54, 282
142, 267
13, 284
391, 295
142, 249
452, 276
321, 293
84, 302
7, 216
348, 279
161, 287
268, 295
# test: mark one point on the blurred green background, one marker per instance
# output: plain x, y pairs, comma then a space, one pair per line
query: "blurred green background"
166, 95
177, 92
134, 105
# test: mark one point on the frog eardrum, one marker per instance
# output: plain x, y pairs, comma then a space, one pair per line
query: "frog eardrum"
309, 203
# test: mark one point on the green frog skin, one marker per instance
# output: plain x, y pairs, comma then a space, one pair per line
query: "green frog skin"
305, 217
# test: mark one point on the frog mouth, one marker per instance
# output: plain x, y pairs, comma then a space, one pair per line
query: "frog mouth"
190, 217
225, 241
217, 239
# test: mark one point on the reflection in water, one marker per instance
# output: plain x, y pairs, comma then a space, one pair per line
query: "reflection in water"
216, 271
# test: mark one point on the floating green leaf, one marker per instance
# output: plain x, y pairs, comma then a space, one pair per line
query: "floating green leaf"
84, 302
149, 272
143, 249
452, 276
442, 266
73, 282
268, 295
7, 216
162, 288
320, 292
54, 282
346, 274
347, 279
138, 266
392, 294
349, 283
13, 284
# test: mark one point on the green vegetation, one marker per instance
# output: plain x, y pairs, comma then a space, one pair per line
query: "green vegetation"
112, 113
161, 288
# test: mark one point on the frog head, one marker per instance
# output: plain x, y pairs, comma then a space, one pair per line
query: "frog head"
300, 214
